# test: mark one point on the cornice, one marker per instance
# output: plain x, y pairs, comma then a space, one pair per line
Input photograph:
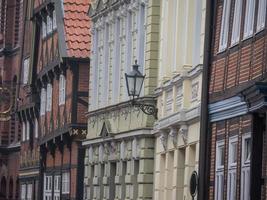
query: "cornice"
185, 116
227, 108
179, 78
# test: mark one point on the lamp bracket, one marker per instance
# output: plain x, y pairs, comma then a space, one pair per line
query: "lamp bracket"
147, 108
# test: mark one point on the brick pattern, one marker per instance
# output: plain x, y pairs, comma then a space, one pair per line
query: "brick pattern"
222, 131
237, 65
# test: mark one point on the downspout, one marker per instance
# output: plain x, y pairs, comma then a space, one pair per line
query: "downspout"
205, 134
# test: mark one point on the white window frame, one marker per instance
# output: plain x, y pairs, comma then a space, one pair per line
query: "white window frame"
219, 171
43, 101
116, 66
26, 69
27, 130
23, 192
49, 24
62, 89
54, 20
47, 188
57, 187
36, 128
232, 167
245, 169
29, 192
261, 15
23, 131
236, 22
65, 183
44, 34
49, 97
141, 36
225, 25
105, 70
95, 73
168, 101
249, 19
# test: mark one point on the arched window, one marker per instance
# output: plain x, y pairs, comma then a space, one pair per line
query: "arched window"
3, 187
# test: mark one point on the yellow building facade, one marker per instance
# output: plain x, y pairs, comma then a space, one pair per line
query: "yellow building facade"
178, 97
120, 144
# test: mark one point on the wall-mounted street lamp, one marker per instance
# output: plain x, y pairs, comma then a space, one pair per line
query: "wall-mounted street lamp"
134, 83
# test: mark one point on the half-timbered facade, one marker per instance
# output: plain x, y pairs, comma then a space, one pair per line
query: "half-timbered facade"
119, 144
178, 97
57, 67
237, 99
11, 26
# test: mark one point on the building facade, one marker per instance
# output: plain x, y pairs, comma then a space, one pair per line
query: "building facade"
237, 99
178, 97
11, 26
54, 97
119, 144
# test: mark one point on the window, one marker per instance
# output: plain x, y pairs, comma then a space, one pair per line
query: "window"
129, 41
26, 70
62, 89
105, 83
261, 15
94, 78
36, 128
54, 20
168, 103
116, 67
49, 24
23, 131
47, 187
49, 97
219, 178
29, 192
249, 18
245, 167
141, 37
23, 192
43, 29
232, 163
65, 183
27, 130
225, 25
43, 101
57, 187
237, 22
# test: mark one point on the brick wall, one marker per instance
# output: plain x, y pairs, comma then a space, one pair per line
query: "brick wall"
222, 131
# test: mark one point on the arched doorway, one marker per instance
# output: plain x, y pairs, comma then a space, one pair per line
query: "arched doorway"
10, 188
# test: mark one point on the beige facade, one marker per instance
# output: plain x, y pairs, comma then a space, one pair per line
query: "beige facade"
178, 93
120, 145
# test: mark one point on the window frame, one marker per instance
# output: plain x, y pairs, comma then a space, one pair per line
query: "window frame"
249, 33
65, 183
236, 25
62, 90
219, 171
26, 73
223, 42
49, 95
261, 16
43, 101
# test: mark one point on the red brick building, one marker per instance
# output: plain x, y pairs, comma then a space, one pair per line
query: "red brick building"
55, 98
236, 72
11, 28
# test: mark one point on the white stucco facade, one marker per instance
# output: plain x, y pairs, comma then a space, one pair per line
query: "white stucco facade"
178, 94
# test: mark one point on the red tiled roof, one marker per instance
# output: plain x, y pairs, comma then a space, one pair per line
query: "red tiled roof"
77, 28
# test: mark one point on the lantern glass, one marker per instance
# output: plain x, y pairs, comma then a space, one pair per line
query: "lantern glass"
134, 82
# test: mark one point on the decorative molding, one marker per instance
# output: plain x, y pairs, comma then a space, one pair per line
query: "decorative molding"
227, 109
163, 140
183, 131
173, 135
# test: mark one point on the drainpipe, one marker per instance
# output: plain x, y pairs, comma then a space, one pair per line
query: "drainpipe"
205, 134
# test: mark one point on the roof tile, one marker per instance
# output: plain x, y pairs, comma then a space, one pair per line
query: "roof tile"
77, 28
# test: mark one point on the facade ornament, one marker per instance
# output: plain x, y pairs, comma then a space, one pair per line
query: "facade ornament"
112, 147
106, 148
91, 154
173, 135
183, 131
163, 139
122, 150
135, 148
